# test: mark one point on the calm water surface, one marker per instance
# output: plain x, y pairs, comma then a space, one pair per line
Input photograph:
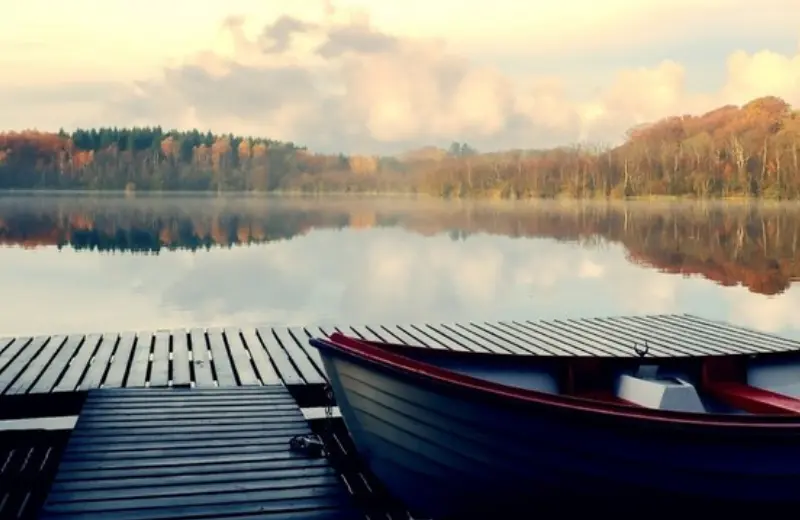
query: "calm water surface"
109, 263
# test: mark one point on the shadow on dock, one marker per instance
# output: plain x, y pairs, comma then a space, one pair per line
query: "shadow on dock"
28, 463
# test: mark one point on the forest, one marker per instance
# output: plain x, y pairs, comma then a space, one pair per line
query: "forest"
747, 151
754, 248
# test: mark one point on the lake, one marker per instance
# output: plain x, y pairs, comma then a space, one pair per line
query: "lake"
85, 263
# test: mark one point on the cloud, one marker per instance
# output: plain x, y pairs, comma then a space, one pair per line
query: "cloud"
337, 81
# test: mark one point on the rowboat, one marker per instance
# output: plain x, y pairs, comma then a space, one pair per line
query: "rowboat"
463, 435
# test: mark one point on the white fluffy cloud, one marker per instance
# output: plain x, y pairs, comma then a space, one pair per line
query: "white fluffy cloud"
341, 83
338, 81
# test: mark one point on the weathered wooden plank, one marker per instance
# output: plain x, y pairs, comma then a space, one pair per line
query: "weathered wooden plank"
432, 337
79, 364
163, 484
245, 372
266, 370
10, 353
181, 375
121, 411
543, 339
576, 339
679, 343
360, 331
159, 371
52, 372
288, 373
207, 506
120, 362
220, 358
738, 333
625, 341
176, 459
299, 357
503, 339
203, 377
140, 362
666, 346
396, 334
469, 340
98, 364
18, 377
137, 493
696, 342
730, 339
301, 336
108, 450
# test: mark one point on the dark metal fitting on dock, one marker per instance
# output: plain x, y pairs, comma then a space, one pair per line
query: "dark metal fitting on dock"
311, 445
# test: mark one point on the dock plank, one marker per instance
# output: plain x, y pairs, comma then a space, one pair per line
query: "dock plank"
9, 353
234, 476
159, 373
302, 336
396, 334
47, 380
201, 362
221, 360
18, 377
140, 361
98, 364
265, 356
181, 375
245, 371
120, 362
286, 369
299, 355
432, 337
79, 364
266, 370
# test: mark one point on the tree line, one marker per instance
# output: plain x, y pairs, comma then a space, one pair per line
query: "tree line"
754, 247
747, 151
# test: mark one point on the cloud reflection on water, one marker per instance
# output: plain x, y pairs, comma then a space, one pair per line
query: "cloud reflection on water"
356, 276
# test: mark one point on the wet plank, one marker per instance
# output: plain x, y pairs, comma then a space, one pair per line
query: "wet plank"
199, 472
140, 361
98, 364
120, 363
222, 362
245, 372
159, 373
180, 359
286, 369
29, 365
299, 356
266, 370
79, 364
201, 363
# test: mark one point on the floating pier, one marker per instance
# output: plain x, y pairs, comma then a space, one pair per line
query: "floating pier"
197, 423
231, 357
210, 453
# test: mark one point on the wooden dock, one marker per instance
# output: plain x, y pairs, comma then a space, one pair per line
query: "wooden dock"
199, 453
231, 357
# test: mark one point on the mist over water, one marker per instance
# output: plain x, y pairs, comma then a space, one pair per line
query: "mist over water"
82, 263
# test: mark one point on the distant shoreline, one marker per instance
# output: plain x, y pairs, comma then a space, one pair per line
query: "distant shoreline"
404, 195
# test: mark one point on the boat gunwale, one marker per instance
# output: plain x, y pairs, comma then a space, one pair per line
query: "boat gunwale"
390, 356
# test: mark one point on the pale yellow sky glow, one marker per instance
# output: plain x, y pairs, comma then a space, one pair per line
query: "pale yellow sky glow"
514, 72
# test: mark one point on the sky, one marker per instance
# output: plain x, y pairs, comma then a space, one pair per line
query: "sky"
378, 77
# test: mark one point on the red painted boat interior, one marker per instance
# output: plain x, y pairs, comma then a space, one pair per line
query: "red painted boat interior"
726, 380
587, 386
